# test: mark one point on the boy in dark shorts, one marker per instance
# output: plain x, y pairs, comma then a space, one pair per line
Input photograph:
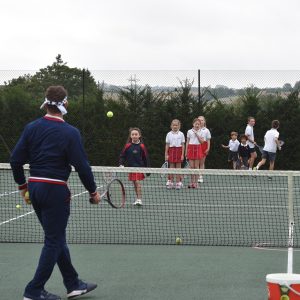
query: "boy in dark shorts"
271, 146
233, 147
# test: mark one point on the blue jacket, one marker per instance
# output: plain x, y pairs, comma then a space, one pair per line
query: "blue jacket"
135, 155
51, 146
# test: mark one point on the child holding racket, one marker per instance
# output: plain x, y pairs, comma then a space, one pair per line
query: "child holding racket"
271, 145
233, 147
205, 145
135, 155
193, 150
174, 152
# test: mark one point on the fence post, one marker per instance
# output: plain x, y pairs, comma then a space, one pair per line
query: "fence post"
199, 87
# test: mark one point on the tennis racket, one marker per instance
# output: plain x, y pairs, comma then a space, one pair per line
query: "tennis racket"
165, 165
281, 143
243, 167
114, 194
186, 164
109, 176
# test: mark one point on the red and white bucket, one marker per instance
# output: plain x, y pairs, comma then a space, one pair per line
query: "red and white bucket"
283, 286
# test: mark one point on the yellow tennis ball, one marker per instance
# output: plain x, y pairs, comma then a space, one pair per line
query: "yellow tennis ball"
18, 206
110, 114
178, 241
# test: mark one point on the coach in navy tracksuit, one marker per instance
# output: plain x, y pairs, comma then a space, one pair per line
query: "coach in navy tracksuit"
51, 146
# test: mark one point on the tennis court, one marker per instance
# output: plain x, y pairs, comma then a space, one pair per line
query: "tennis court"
131, 252
152, 272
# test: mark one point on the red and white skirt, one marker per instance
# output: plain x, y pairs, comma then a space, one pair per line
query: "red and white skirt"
136, 176
175, 154
204, 147
194, 152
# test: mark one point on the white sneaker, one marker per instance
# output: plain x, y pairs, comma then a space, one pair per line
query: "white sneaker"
179, 185
170, 185
200, 179
138, 202
169, 182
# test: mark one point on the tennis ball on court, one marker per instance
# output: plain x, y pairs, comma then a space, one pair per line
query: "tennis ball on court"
110, 114
284, 297
178, 241
18, 206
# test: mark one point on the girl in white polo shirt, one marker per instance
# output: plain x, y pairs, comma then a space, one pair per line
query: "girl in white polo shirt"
174, 152
205, 145
193, 150
271, 145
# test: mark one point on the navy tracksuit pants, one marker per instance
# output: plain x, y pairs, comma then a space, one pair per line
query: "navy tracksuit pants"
51, 203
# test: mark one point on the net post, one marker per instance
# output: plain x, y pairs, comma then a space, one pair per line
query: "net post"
291, 222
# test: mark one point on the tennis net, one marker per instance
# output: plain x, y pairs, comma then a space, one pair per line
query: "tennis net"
229, 208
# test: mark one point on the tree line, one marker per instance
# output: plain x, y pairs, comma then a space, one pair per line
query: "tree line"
149, 109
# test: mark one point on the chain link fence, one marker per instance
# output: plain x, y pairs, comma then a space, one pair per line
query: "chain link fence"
150, 99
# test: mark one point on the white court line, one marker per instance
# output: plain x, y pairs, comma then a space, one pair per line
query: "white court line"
8, 193
76, 195
193, 205
268, 247
142, 211
32, 211
151, 205
16, 218
201, 187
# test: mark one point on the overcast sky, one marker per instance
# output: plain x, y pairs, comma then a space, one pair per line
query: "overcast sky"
152, 34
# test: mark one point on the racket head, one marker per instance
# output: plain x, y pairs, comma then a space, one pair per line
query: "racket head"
186, 164
165, 165
108, 176
243, 167
116, 194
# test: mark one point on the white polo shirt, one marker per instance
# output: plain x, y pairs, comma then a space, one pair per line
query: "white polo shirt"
249, 132
192, 136
205, 133
270, 137
234, 145
175, 139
